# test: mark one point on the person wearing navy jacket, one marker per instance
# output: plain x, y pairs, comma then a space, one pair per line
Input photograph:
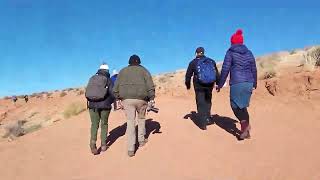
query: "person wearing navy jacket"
203, 91
240, 63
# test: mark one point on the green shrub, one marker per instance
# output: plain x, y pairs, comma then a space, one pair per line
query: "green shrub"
73, 110
62, 94
32, 128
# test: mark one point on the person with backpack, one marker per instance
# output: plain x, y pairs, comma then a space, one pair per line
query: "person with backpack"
26, 98
100, 97
205, 74
240, 63
135, 89
14, 99
113, 80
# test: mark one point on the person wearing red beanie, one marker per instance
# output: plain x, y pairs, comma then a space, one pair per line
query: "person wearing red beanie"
237, 38
240, 63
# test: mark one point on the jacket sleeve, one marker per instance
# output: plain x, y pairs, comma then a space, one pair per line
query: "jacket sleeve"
116, 87
110, 90
189, 74
217, 73
225, 69
150, 85
254, 72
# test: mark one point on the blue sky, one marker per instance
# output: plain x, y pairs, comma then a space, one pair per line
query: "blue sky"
48, 45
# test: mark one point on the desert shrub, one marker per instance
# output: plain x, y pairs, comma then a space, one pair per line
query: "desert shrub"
268, 74
81, 92
7, 98
15, 130
74, 109
163, 79
33, 114
32, 128
62, 94
312, 59
293, 52
266, 68
69, 89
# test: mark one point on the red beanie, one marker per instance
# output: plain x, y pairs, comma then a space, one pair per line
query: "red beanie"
237, 38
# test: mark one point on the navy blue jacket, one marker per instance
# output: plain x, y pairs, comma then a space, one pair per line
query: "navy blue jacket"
106, 103
114, 78
192, 71
241, 64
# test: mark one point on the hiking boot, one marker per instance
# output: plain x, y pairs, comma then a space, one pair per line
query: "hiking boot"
204, 127
142, 143
131, 153
94, 149
104, 147
245, 130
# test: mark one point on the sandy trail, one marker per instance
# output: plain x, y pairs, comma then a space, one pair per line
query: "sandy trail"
284, 145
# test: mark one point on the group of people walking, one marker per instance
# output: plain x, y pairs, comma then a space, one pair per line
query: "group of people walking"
134, 90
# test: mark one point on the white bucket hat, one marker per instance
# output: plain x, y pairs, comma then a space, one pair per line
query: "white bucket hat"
104, 66
114, 72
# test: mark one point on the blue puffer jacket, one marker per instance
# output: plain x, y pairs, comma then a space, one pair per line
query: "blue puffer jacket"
241, 64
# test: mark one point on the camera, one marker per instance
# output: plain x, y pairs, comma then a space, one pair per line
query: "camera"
153, 109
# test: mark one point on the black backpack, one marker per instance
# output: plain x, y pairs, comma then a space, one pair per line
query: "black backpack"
97, 88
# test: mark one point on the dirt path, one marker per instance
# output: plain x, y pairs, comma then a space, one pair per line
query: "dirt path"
284, 145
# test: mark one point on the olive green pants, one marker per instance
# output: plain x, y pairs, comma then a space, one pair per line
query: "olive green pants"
96, 116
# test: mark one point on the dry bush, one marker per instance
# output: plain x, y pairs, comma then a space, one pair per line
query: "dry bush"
62, 94
15, 130
32, 128
73, 110
312, 59
267, 69
7, 98
81, 92
69, 89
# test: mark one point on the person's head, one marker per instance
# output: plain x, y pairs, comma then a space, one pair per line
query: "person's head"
237, 38
199, 52
104, 67
134, 60
114, 72
104, 70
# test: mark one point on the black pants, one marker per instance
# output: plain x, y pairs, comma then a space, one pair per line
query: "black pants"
204, 104
241, 114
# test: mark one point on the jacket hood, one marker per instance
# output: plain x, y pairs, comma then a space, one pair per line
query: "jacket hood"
103, 73
239, 48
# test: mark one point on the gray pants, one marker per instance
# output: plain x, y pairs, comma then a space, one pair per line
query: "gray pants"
131, 108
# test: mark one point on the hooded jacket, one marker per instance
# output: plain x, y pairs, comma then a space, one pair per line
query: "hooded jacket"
109, 99
241, 64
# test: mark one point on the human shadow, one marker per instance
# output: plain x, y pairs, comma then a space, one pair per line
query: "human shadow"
152, 127
116, 133
195, 118
226, 123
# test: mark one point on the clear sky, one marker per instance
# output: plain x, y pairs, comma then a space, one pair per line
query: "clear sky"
48, 45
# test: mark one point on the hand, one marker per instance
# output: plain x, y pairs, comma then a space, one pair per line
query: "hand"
188, 86
217, 89
151, 103
120, 105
